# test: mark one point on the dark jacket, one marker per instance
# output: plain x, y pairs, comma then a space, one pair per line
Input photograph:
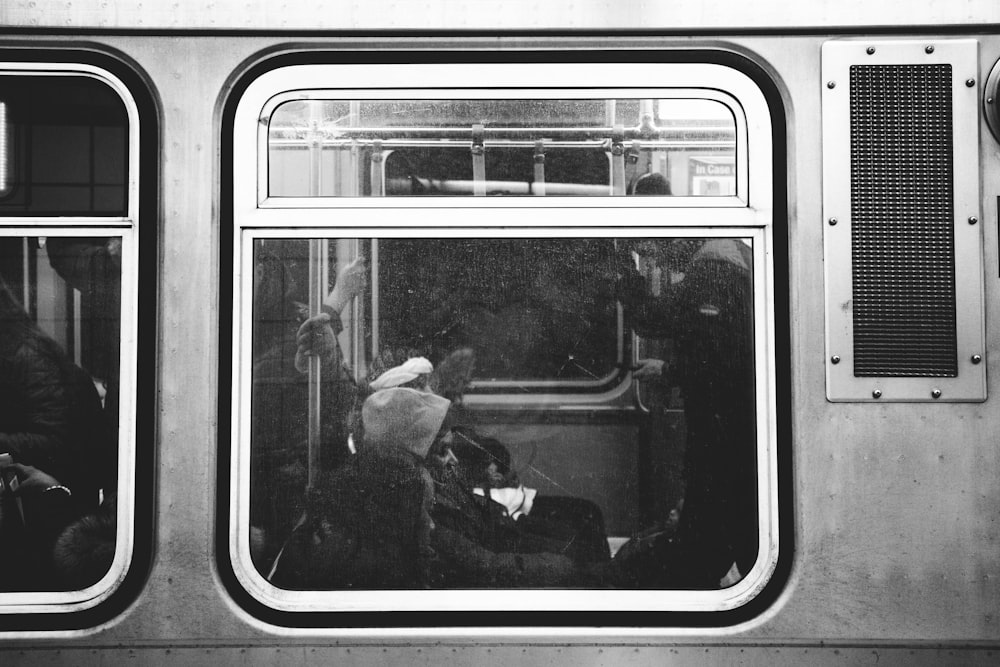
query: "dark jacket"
279, 433
365, 528
477, 546
50, 414
709, 316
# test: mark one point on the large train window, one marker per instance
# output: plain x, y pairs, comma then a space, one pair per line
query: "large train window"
510, 331
68, 330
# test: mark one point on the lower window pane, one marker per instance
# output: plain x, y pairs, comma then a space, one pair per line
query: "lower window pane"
60, 318
503, 413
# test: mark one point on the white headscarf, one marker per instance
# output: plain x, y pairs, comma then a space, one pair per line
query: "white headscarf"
410, 370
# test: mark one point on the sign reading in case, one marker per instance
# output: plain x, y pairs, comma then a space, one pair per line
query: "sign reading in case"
712, 176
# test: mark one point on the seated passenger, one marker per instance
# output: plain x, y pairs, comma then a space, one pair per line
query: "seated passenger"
568, 525
474, 546
47, 544
52, 417
367, 526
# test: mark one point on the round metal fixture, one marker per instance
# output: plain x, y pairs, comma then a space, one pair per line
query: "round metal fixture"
991, 110
877, 393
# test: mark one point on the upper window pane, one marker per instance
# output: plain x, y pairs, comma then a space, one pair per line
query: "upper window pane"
64, 147
573, 147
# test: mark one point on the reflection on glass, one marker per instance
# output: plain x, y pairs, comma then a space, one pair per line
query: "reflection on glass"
60, 301
536, 147
417, 487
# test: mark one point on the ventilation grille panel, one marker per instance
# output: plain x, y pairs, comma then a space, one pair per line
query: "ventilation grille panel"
902, 213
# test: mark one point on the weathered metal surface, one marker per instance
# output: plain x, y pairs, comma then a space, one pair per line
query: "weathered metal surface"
489, 16
897, 538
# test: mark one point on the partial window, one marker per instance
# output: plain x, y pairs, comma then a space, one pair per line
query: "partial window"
68, 267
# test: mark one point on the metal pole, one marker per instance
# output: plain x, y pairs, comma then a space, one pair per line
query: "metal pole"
317, 291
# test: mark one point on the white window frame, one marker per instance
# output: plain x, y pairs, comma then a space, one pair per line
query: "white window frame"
748, 215
126, 228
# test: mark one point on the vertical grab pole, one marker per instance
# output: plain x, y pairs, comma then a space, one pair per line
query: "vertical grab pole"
618, 161
373, 281
478, 161
378, 183
316, 294
539, 184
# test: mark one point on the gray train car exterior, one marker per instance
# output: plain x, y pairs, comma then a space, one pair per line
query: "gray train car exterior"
886, 507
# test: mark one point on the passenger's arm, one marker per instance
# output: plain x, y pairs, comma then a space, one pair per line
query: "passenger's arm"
474, 563
318, 335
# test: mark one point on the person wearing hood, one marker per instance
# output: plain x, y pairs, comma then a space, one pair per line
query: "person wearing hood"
474, 544
368, 524
703, 302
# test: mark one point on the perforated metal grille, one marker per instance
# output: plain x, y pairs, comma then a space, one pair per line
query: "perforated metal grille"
902, 221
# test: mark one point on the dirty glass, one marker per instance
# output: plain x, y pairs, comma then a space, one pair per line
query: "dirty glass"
508, 147
60, 318
417, 480
63, 147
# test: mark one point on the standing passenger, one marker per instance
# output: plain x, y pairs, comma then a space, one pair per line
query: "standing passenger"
709, 315
279, 421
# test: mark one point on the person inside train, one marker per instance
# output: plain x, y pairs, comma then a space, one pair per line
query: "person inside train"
367, 525
93, 266
570, 526
566, 524
283, 344
703, 303
66, 550
51, 419
471, 546
650, 183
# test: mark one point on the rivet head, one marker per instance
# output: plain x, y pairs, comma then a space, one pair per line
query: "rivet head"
970, 82
973, 219
928, 49
831, 84
935, 393
976, 358
835, 359
870, 50
989, 100
832, 221
877, 393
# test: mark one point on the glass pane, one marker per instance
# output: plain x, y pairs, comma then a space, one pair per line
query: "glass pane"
533, 309
66, 144
501, 147
60, 314
654, 489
